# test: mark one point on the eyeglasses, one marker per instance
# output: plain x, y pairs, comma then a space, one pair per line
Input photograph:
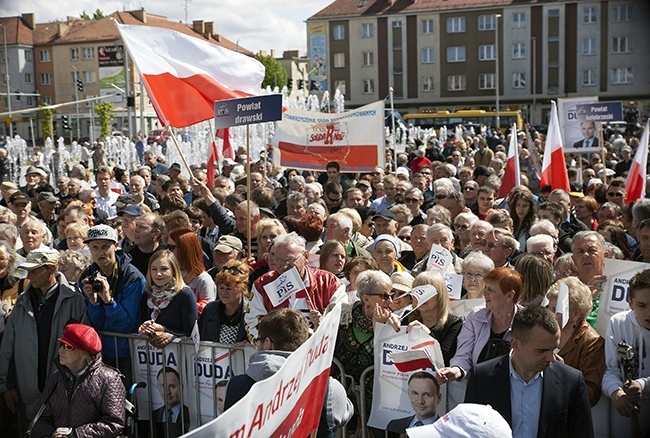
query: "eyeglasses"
493, 245
334, 199
463, 227
287, 261
405, 238
472, 275
411, 200
617, 194
66, 347
233, 270
383, 296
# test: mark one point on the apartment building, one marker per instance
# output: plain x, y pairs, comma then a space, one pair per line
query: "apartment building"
453, 54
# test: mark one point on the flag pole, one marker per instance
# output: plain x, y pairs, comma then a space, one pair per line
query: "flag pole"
248, 188
212, 140
178, 147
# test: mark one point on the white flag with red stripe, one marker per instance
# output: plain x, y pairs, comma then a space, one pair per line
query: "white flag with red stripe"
411, 360
512, 174
554, 172
184, 75
636, 180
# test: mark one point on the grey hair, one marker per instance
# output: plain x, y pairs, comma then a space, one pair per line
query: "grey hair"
471, 217
289, 239
10, 232
344, 222
439, 227
11, 253
541, 225
478, 260
539, 238
298, 179
297, 197
641, 210
584, 235
369, 282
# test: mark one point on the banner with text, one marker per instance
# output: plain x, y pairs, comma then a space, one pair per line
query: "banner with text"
572, 133
309, 140
289, 402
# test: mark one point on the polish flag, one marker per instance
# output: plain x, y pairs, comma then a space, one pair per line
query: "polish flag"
227, 150
636, 179
213, 156
412, 360
184, 75
512, 174
554, 171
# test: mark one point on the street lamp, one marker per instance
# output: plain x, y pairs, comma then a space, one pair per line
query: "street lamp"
496, 53
532, 116
76, 97
6, 53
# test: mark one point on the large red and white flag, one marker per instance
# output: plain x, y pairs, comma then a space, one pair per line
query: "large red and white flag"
184, 75
554, 171
636, 180
512, 174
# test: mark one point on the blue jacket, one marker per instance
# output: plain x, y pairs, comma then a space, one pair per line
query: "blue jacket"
123, 316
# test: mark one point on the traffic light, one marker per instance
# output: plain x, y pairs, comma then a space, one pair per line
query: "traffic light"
301, 84
80, 84
64, 122
289, 82
313, 86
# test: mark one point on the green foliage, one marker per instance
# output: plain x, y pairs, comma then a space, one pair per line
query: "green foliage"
98, 15
103, 111
275, 74
46, 120
84, 15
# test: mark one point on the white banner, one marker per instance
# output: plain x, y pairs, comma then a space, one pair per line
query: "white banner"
309, 140
288, 403
454, 285
439, 259
390, 399
461, 308
569, 124
615, 294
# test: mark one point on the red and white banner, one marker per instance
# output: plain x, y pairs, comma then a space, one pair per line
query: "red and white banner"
412, 360
184, 75
512, 174
635, 186
289, 402
554, 171
309, 140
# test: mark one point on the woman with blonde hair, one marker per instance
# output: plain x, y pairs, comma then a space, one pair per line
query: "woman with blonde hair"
171, 309
333, 257
434, 314
536, 277
266, 231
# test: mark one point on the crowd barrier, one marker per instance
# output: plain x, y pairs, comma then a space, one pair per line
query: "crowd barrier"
200, 367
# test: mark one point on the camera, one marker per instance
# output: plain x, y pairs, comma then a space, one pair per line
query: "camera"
94, 280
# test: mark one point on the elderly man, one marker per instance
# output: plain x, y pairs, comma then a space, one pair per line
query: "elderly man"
339, 227
296, 205
139, 193
588, 254
33, 177
386, 223
477, 233
390, 190
420, 245
32, 234
542, 246
62, 187
441, 234
322, 287
227, 248
47, 204
20, 205
500, 245
29, 345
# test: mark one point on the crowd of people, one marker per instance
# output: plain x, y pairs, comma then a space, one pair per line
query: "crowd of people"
152, 251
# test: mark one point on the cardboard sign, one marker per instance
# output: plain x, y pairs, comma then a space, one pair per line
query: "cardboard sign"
285, 286
439, 259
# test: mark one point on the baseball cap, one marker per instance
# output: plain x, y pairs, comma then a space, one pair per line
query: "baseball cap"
626, 148
34, 169
385, 214
593, 181
101, 232
467, 420
402, 281
226, 244
123, 200
132, 210
40, 257
18, 197
47, 196
6, 185
402, 171
176, 167
363, 182
81, 337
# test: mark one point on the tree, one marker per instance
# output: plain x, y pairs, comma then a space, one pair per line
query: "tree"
84, 16
98, 15
46, 120
103, 111
275, 74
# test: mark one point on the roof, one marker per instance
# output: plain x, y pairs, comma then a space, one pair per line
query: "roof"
370, 8
17, 30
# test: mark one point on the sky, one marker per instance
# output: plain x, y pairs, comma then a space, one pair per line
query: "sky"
257, 24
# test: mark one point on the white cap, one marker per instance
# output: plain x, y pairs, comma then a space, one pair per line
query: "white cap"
466, 420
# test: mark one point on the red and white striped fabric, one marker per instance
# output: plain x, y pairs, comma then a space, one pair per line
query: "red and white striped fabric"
554, 171
512, 174
636, 180
411, 360
184, 75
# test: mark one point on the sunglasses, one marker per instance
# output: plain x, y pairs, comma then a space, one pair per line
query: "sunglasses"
617, 194
66, 347
411, 200
233, 270
383, 296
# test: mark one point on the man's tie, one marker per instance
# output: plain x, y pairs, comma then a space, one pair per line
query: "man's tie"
418, 424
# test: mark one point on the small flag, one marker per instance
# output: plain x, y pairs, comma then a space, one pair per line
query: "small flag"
285, 286
554, 172
635, 186
439, 259
412, 360
196, 338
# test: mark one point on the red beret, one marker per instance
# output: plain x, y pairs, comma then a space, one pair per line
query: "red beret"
81, 337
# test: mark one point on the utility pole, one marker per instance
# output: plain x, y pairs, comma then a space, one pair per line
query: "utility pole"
76, 96
7, 84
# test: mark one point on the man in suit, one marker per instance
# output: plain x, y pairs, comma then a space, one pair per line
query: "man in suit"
589, 141
537, 395
424, 395
168, 419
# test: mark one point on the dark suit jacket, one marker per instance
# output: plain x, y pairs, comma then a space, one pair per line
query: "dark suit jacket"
175, 429
565, 409
578, 144
399, 425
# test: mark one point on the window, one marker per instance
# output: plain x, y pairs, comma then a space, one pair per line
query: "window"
47, 100
397, 23
339, 60
338, 32
589, 15
623, 13
87, 53
28, 78
622, 75
90, 103
427, 56
519, 51
456, 83
427, 83
519, 80
487, 22
519, 19
44, 55
552, 90
486, 81
368, 86
89, 77
487, 53
589, 46
46, 79
340, 85
553, 12
28, 55
589, 77
368, 59
74, 53
456, 25
427, 26
553, 38
30, 101
456, 54
621, 45
367, 30
2, 55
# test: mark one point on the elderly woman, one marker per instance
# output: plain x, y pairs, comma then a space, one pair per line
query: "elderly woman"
171, 309
486, 331
72, 264
585, 211
83, 397
352, 270
536, 277
434, 314
462, 226
564, 267
580, 345
475, 267
10, 285
385, 253
223, 319
333, 257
